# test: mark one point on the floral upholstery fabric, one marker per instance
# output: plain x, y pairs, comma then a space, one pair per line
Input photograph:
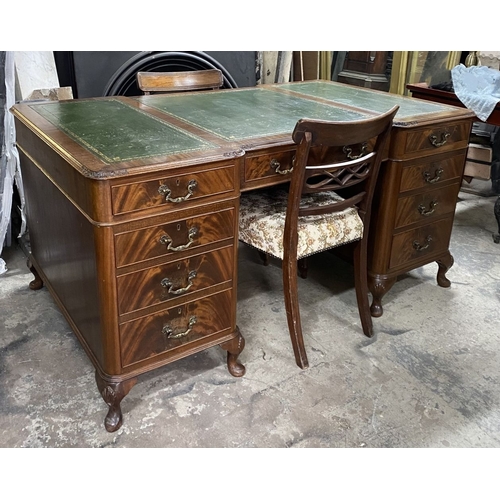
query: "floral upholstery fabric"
262, 223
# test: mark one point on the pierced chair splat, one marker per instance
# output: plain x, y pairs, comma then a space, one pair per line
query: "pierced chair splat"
328, 204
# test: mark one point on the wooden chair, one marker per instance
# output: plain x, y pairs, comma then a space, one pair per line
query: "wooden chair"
177, 81
312, 217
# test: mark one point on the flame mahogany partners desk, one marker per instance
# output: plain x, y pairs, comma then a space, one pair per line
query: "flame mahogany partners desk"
133, 209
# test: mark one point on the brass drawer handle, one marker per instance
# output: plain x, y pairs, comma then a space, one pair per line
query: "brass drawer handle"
165, 190
275, 164
432, 208
418, 247
166, 240
348, 151
442, 142
169, 331
437, 176
167, 283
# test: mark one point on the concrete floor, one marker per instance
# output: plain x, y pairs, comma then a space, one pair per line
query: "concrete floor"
429, 378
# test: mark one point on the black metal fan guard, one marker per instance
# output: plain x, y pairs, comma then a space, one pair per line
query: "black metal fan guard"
123, 82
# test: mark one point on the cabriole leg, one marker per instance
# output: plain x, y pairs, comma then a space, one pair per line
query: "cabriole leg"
37, 283
113, 393
444, 264
378, 288
496, 211
234, 348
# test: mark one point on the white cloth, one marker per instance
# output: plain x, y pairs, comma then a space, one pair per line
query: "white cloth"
12, 173
478, 88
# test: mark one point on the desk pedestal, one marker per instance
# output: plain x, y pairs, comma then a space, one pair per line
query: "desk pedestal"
142, 280
415, 204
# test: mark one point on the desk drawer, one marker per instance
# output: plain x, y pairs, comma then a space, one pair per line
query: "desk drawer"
421, 207
421, 242
277, 164
432, 173
181, 278
174, 237
176, 330
429, 140
173, 191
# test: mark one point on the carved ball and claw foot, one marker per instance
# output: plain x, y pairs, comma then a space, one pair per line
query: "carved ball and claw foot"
378, 288
113, 393
234, 348
37, 283
444, 264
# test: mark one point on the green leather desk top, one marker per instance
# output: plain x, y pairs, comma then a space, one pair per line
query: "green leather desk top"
122, 129
379, 102
117, 132
246, 113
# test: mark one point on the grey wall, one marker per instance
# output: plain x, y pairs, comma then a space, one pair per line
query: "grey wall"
93, 69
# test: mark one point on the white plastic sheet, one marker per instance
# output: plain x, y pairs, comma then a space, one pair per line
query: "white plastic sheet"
478, 87
10, 172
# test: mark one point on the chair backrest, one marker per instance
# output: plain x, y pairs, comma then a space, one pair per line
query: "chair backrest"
336, 156
177, 81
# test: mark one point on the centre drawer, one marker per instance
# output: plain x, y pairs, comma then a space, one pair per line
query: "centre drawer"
180, 278
174, 237
278, 164
421, 207
176, 330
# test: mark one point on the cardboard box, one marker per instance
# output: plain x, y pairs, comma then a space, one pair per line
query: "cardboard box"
478, 162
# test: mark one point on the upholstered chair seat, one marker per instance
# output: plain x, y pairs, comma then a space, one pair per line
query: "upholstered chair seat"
262, 223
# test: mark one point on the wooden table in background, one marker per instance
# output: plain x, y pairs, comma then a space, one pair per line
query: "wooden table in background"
423, 91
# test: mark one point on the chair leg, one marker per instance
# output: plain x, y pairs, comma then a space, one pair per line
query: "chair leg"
264, 257
361, 285
293, 314
302, 265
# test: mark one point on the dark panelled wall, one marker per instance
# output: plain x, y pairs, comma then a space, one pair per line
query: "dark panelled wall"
89, 73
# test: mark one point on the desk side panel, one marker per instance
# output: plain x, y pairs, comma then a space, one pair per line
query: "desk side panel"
63, 247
